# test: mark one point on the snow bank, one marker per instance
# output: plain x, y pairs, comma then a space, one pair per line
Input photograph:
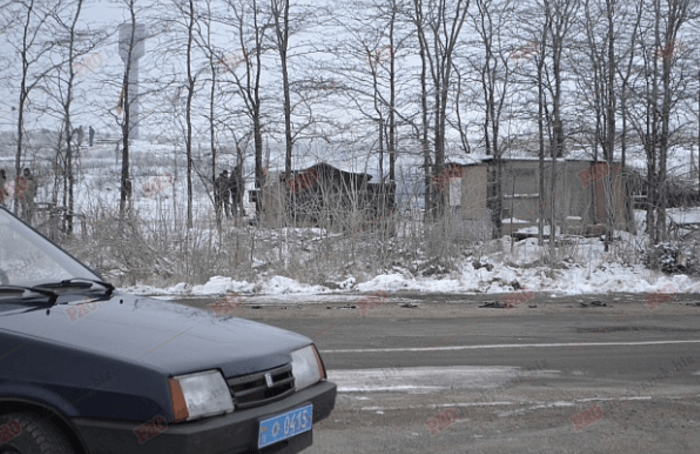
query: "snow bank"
612, 278
582, 268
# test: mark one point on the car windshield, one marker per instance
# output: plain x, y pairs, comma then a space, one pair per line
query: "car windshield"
28, 259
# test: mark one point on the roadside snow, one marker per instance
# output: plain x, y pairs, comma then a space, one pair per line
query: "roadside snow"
218, 285
515, 271
515, 267
278, 285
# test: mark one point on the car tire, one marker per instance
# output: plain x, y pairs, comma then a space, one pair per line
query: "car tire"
25, 433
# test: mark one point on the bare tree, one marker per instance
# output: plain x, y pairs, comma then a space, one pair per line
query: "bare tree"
33, 46
187, 14
626, 69
213, 59
600, 31
76, 48
438, 25
560, 15
530, 56
250, 30
393, 47
548, 31
541, 56
368, 73
280, 16
490, 21
656, 97
131, 48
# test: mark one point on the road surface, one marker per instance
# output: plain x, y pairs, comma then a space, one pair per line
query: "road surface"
439, 374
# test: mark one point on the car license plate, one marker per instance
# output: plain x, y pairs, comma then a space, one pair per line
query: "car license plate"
286, 425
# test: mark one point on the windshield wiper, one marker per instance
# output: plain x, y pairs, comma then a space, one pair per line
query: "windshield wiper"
77, 283
14, 289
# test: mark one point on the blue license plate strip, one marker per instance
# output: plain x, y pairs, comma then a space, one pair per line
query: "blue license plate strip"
286, 425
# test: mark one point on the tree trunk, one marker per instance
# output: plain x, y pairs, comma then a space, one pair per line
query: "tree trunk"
610, 133
282, 33
190, 94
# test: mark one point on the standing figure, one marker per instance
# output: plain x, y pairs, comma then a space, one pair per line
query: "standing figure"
79, 132
91, 135
25, 191
3, 191
221, 193
237, 188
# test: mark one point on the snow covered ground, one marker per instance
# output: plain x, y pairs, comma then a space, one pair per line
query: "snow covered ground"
515, 267
515, 272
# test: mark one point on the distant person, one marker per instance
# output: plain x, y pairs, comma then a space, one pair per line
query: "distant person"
25, 191
3, 191
80, 133
91, 135
221, 194
237, 188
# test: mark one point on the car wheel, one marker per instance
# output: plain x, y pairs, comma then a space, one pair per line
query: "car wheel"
24, 433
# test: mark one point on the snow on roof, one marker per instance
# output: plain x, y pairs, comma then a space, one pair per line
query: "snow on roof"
464, 159
475, 159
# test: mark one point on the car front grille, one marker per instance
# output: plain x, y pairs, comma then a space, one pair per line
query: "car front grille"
252, 390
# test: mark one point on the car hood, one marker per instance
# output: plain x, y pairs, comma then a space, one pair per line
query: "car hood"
173, 338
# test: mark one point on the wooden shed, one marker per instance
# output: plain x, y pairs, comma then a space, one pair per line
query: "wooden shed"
328, 197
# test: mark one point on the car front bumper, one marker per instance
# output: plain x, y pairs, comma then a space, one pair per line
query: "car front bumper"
233, 433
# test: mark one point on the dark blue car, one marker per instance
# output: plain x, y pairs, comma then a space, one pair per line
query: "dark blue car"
85, 369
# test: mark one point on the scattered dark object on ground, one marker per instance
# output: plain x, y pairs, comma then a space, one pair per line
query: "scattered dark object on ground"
532, 306
434, 270
331, 285
493, 305
594, 304
673, 257
695, 304
477, 264
256, 307
409, 305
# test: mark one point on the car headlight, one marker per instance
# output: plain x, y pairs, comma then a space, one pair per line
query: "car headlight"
307, 367
199, 395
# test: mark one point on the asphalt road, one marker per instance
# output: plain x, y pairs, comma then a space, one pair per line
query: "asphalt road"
423, 374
